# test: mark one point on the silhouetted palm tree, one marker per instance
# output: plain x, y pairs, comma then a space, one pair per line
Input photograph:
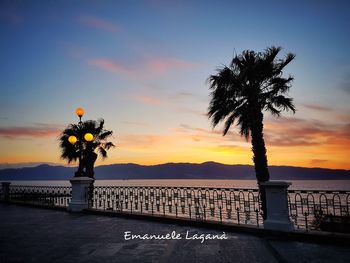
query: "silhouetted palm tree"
251, 84
83, 148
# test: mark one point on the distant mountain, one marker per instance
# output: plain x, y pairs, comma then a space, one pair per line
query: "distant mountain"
207, 170
19, 165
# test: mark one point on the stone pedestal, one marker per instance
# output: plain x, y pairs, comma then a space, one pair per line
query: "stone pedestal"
277, 214
80, 189
5, 191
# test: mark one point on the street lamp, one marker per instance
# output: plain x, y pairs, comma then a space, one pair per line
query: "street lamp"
73, 140
88, 137
80, 113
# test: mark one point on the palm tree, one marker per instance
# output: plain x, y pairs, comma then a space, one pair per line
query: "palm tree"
84, 150
240, 92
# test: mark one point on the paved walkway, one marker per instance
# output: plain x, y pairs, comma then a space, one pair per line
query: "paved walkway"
39, 235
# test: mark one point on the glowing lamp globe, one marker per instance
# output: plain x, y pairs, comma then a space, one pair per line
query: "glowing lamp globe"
88, 137
72, 139
79, 112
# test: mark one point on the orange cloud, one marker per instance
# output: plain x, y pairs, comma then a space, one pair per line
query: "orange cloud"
97, 23
206, 133
37, 131
143, 142
295, 141
299, 132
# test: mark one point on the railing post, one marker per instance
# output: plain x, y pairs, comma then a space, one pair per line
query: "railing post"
5, 191
80, 193
277, 214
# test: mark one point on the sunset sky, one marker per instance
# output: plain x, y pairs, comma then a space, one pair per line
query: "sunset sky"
143, 65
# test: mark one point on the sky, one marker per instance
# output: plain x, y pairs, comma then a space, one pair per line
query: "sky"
143, 66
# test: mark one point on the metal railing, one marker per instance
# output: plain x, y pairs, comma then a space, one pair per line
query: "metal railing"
224, 205
313, 210
52, 196
308, 209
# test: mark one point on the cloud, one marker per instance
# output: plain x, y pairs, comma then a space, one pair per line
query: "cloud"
281, 132
284, 132
331, 113
144, 67
108, 65
36, 131
317, 107
151, 95
190, 129
227, 148
300, 132
210, 136
144, 142
97, 23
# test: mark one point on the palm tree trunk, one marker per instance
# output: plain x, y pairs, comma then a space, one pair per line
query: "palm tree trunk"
259, 151
259, 158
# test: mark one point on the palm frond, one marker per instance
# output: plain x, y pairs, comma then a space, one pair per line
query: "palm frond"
72, 152
252, 82
103, 152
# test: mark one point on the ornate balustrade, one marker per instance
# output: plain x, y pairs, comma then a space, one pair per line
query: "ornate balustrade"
56, 196
309, 209
240, 206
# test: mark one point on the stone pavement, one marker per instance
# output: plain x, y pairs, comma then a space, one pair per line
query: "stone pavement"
41, 235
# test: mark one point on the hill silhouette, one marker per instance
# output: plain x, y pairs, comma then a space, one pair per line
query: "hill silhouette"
207, 170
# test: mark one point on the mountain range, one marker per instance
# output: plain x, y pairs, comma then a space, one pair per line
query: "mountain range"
207, 170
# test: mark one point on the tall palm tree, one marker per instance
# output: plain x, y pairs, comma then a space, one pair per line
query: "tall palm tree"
240, 92
83, 150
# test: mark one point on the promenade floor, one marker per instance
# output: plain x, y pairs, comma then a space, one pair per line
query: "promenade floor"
42, 235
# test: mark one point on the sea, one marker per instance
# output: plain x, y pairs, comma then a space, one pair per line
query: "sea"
340, 185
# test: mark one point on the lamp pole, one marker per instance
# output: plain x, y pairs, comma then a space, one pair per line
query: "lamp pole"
82, 183
80, 113
88, 137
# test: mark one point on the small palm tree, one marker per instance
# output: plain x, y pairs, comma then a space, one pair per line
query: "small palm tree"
82, 149
240, 92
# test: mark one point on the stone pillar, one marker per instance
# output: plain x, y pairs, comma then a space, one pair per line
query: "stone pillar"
277, 217
80, 197
5, 191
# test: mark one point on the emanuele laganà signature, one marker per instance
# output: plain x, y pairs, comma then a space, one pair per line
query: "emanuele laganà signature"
128, 235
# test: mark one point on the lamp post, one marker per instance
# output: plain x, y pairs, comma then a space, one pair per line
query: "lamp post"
82, 183
80, 112
88, 137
